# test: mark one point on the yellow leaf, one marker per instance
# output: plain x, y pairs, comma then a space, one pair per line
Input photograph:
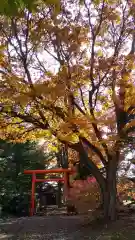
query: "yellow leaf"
53, 148
131, 124
99, 53
126, 77
118, 19
71, 137
99, 165
96, 2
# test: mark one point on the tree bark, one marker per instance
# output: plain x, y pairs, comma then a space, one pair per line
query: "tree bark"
109, 192
109, 196
107, 184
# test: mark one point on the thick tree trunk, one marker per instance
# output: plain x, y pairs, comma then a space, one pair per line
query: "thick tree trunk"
107, 184
109, 196
109, 191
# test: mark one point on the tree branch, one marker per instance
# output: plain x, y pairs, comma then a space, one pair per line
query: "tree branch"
94, 149
26, 118
81, 93
24, 61
93, 168
78, 107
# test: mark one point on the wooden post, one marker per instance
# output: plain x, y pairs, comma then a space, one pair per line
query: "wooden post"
33, 194
66, 181
58, 198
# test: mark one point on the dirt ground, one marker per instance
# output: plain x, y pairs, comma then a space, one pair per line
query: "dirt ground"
49, 228
65, 228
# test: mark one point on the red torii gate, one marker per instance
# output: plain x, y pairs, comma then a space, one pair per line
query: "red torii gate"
64, 179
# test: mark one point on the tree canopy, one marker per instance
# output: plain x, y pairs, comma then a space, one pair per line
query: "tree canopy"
91, 68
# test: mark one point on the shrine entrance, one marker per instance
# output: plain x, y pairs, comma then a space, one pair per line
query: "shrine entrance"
64, 179
46, 196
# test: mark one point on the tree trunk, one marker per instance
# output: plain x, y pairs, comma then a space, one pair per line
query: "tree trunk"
107, 184
109, 197
109, 192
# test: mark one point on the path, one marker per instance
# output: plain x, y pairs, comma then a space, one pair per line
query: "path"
65, 228
48, 228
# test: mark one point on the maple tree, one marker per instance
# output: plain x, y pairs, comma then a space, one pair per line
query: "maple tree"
85, 195
67, 72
